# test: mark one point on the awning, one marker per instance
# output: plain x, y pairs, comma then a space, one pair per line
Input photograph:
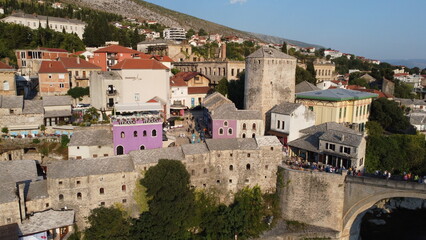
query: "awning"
135, 107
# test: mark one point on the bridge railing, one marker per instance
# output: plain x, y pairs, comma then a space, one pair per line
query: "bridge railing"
396, 184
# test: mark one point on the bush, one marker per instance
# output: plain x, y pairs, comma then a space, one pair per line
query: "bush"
36, 141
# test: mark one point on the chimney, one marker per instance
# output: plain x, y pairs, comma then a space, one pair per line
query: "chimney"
21, 194
342, 138
78, 60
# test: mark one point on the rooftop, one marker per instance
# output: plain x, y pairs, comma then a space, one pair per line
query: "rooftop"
91, 137
47, 220
77, 63
231, 144
52, 67
117, 49
37, 190
57, 101
18, 171
285, 108
86, 167
5, 66
337, 94
306, 87
153, 155
267, 52
33, 107
139, 64
11, 101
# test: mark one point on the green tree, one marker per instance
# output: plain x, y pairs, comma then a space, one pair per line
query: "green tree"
374, 128
202, 32
5, 130
107, 224
360, 82
390, 116
403, 90
284, 48
222, 87
190, 33
172, 202
78, 92
236, 91
304, 75
91, 114
64, 141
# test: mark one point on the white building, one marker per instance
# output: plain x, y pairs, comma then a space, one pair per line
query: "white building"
131, 82
333, 53
90, 143
287, 119
177, 34
56, 24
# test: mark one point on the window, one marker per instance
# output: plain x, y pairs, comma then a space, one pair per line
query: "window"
272, 148
79, 196
326, 146
61, 76
123, 188
220, 131
253, 135
230, 180
154, 133
137, 97
124, 200
144, 133
49, 76
60, 182
311, 108
340, 113
230, 154
135, 134
248, 166
247, 180
230, 131
61, 197
278, 124
231, 167
283, 125
123, 135
332, 147
78, 182
344, 112
361, 161
244, 126
11, 111
192, 172
347, 150
47, 205
254, 126
61, 85
341, 148
244, 135
218, 181
142, 147
102, 203
205, 170
101, 191
225, 123
95, 155
248, 155
6, 86
266, 167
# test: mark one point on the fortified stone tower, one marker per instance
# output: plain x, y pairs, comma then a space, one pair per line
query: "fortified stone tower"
270, 80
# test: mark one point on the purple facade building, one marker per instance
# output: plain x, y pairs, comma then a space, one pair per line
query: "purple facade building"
137, 132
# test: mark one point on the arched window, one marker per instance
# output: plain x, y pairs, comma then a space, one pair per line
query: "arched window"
225, 123
61, 197
253, 135
79, 196
254, 126
120, 150
220, 131
142, 147
144, 133
154, 133
6, 86
244, 135
230, 131
101, 190
122, 135
205, 170
123, 188
135, 134
231, 167
244, 126
248, 166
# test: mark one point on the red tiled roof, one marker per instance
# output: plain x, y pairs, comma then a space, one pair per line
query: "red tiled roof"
354, 87
380, 93
53, 49
117, 49
153, 100
52, 67
75, 62
5, 66
198, 90
139, 64
177, 82
400, 74
162, 58
78, 53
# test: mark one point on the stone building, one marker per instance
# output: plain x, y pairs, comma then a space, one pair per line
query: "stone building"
339, 105
57, 110
179, 52
90, 143
188, 89
79, 70
29, 60
325, 71
21, 117
270, 79
7, 80
34, 21
331, 143
224, 120
215, 70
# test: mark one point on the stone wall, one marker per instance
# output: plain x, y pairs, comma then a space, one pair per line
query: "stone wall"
10, 155
21, 120
10, 213
314, 198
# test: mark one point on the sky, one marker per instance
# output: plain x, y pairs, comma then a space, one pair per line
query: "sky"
376, 29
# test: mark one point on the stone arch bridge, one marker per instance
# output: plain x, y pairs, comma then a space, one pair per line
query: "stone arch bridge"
335, 201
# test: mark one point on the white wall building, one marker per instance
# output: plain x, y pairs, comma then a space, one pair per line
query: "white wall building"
56, 24
287, 119
333, 53
177, 34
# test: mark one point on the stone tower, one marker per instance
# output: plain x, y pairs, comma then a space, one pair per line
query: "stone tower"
270, 79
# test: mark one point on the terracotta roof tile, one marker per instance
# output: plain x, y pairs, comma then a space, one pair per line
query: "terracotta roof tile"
52, 67
198, 90
139, 64
117, 49
5, 66
73, 62
53, 49
162, 58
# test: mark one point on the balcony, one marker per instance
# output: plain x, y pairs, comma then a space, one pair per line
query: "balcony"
111, 92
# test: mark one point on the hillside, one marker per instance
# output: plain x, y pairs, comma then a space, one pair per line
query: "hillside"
167, 17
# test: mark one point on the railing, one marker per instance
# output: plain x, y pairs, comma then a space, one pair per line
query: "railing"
137, 119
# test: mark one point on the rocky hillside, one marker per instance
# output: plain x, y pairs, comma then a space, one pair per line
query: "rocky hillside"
167, 17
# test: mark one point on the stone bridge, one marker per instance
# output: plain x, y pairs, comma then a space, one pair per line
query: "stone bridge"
335, 201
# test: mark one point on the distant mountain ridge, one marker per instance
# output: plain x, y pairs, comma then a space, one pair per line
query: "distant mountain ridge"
170, 18
420, 63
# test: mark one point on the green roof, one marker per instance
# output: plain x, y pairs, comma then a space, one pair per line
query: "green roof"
336, 94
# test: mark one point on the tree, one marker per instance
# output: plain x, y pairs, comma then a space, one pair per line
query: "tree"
190, 33
172, 202
374, 128
390, 116
5, 130
236, 90
311, 69
284, 48
78, 92
304, 75
403, 90
91, 115
202, 32
222, 87
107, 224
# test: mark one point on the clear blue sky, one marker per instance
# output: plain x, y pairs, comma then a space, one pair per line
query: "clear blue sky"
378, 29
